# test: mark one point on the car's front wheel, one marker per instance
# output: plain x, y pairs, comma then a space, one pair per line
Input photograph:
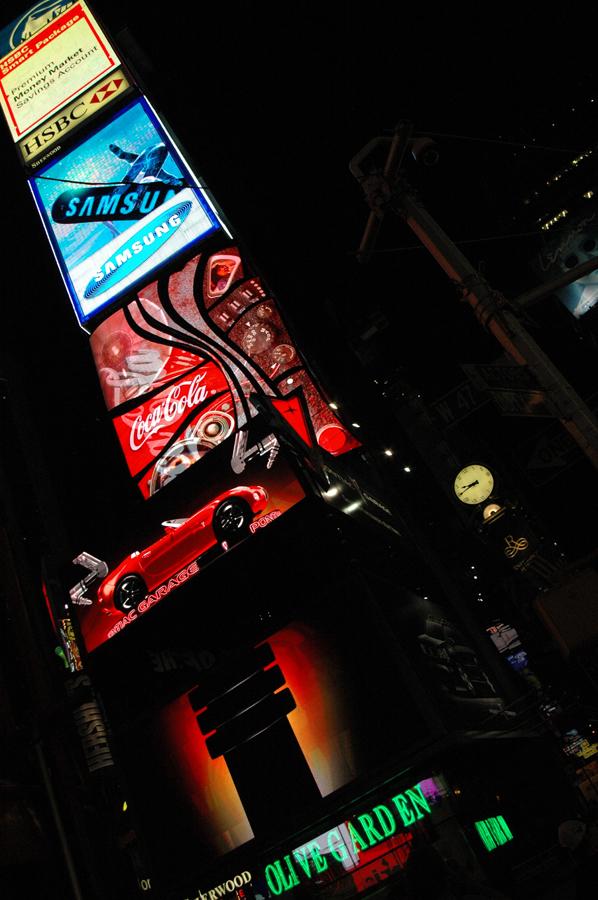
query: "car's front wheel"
129, 593
231, 520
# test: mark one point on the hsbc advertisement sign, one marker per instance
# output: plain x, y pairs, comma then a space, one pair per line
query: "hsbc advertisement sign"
118, 206
32, 20
47, 140
52, 67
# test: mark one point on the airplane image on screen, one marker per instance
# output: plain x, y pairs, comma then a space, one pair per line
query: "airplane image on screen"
147, 165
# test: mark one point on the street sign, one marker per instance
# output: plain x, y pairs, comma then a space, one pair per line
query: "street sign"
554, 452
521, 403
500, 377
513, 388
461, 401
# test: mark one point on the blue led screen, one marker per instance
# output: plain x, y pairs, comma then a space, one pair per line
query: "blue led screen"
118, 206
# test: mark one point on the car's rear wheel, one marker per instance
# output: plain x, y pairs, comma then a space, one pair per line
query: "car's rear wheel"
129, 593
231, 520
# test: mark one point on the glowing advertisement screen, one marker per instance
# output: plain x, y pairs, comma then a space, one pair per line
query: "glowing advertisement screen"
47, 139
178, 367
31, 20
118, 206
60, 60
235, 739
441, 652
575, 243
127, 575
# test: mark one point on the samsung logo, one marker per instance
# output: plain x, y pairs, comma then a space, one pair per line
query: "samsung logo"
135, 251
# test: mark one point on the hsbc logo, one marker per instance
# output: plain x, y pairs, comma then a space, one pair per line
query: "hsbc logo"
35, 146
105, 92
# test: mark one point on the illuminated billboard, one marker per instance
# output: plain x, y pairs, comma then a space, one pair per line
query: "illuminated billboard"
46, 140
118, 206
178, 367
49, 69
237, 739
349, 843
441, 652
493, 832
32, 20
575, 243
124, 582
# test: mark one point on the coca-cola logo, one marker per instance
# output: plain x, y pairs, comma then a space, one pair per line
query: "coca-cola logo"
181, 398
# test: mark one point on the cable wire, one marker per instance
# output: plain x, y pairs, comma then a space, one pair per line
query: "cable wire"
499, 141
480, 240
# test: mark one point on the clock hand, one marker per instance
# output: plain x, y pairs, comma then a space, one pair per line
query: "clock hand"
467, 486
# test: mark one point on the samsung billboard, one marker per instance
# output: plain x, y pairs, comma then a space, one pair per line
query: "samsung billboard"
118, 206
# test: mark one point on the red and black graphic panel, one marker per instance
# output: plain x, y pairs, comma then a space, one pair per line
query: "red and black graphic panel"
179, 364
239, 739
133, 572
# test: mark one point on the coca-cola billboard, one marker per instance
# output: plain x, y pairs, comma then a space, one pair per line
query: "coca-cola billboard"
179, 365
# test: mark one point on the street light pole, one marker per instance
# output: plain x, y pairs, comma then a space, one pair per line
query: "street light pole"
389, 190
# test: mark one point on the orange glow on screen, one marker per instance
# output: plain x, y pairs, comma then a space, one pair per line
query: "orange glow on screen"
207, 781
320, 722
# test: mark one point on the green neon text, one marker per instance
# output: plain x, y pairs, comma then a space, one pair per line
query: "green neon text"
365, 830
494, 832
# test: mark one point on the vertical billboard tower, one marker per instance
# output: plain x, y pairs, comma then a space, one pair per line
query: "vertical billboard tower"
251, 681
200, 375
188, 341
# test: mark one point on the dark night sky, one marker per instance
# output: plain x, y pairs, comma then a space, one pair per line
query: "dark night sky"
270, 104
271, 108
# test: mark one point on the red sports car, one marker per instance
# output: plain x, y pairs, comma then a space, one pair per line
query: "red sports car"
225, 519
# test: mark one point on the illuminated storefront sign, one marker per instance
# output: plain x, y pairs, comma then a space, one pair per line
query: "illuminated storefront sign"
57, 63
90, 724
230, 886
46, 140
494, 832
349, 840
118, 206
574, 744
506, 640
69, 644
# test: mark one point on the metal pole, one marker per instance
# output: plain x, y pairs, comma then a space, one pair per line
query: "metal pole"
377, 184
491, 309
68, 857
493, 312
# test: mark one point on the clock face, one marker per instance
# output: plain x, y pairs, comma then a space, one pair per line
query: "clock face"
474, 484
